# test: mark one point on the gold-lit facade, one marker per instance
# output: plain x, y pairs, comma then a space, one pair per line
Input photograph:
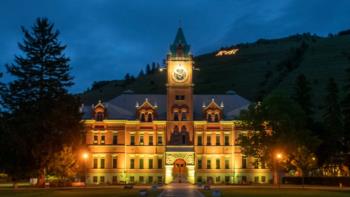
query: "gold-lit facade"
177, 137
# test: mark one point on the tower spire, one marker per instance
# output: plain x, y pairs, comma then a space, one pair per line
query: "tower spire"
179, 46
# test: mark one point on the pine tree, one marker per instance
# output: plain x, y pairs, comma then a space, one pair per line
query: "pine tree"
346, 114
148, 69
332, 137
154, 68
302, 95
141, 73
332, 116
44, 116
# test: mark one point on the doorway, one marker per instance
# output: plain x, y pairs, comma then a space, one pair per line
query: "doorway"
180, 171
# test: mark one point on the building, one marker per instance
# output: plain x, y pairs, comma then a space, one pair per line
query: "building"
179, 136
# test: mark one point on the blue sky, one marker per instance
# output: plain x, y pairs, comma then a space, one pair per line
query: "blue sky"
108, 38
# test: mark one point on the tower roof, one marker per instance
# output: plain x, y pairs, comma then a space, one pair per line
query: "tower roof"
179, 44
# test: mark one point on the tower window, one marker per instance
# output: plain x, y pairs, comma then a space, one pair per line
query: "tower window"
179, 97
183, 138
176, 116
183, 116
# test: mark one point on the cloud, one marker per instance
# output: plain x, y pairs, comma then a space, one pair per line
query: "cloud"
106, 39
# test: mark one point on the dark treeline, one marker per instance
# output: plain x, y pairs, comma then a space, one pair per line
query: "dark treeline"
287, 125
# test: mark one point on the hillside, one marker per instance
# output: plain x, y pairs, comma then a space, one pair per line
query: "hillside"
254, 71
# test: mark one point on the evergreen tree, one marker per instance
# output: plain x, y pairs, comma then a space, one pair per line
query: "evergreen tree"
141, 73
43, 115
332, 116
127, 78
346, 115
302, 95
154, 68
148, 69
332, 136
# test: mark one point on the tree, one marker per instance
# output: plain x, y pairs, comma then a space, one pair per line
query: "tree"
278, 124
154, 67
148, 69
304, 160
302, 95
345, 104
332, 136
141, 73
64, 164
43, 115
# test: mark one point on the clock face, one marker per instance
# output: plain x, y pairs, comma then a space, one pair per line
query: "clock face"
180, 73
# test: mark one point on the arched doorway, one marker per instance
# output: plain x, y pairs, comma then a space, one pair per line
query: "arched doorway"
180, 171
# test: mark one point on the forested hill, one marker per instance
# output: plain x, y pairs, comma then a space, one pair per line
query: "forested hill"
253, 72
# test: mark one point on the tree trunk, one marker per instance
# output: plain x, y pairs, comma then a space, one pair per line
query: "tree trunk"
41, 178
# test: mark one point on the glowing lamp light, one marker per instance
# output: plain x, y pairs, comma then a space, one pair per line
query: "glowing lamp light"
279, 156
85, 156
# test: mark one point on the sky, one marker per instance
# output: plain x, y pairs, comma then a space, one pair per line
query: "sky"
108, 38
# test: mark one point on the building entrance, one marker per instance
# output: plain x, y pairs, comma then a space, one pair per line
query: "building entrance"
180, 171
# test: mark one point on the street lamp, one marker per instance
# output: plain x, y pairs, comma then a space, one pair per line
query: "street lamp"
85, 157
279, 157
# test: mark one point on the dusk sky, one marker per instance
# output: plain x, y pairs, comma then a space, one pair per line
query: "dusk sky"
108, 38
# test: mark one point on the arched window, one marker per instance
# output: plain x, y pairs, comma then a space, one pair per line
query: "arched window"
176, 129
150, 117
183, 138
216, 118
183, 116
208, 117
142, 118
183, 128
99, 116
176, 116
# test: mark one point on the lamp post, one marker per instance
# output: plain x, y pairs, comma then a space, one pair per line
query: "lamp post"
85, 157
277, 174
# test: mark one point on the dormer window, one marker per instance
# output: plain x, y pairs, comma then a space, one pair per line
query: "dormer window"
142, 118
213, 112
150, 117
216, 119
99, 116
146, 112
99, 111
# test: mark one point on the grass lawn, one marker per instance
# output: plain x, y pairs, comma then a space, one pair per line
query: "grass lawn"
277, 192
99, 192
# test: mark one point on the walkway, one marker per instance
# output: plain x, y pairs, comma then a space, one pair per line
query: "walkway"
180, 190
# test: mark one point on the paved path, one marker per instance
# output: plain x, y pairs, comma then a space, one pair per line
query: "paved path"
180, 190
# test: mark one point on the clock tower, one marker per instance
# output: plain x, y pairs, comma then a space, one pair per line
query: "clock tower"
179, 92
